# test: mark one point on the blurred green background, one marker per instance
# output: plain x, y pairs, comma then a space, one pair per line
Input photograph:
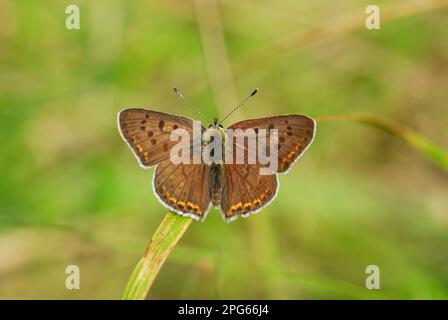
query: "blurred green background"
71, 192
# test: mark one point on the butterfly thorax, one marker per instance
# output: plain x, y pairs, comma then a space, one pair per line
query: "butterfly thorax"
211, 132
211, 135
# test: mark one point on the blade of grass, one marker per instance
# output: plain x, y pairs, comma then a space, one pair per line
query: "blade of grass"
420, 143
162, 243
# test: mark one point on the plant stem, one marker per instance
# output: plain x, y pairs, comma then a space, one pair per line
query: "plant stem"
162, 243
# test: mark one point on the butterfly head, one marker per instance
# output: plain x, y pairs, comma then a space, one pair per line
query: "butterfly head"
214, 130
215, 124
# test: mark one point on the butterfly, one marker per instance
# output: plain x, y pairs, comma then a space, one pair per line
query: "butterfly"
190, 189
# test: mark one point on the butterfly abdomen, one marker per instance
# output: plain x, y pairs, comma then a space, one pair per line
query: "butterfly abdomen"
215, 184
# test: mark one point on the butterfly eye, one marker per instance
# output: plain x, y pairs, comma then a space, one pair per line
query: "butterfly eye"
209, 126
220, 125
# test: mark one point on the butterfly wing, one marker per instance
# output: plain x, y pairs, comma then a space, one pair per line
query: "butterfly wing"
183, 188
147, 133
295, 134
245, 190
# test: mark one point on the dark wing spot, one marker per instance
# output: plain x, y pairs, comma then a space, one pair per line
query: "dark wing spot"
142, 128
150, 134
146, 116
161, 125
153, 141
175, 126
165, 146
289, 133
289, 128
282, 139
143, 122
271, 126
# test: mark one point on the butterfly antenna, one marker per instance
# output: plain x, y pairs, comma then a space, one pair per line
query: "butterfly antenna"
240, 105
191, 104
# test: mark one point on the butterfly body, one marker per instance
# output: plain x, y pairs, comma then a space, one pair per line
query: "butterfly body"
237, 189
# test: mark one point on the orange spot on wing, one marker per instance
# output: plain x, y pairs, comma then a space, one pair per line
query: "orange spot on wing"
292, 154
172, 201
181, 205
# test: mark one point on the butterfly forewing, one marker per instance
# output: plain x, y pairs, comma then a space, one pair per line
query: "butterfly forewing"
148, 133
295, 134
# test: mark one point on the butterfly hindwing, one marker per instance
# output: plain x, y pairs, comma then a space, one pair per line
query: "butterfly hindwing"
245, 191
183, 188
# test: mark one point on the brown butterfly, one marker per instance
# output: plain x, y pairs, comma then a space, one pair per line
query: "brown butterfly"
190, 189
